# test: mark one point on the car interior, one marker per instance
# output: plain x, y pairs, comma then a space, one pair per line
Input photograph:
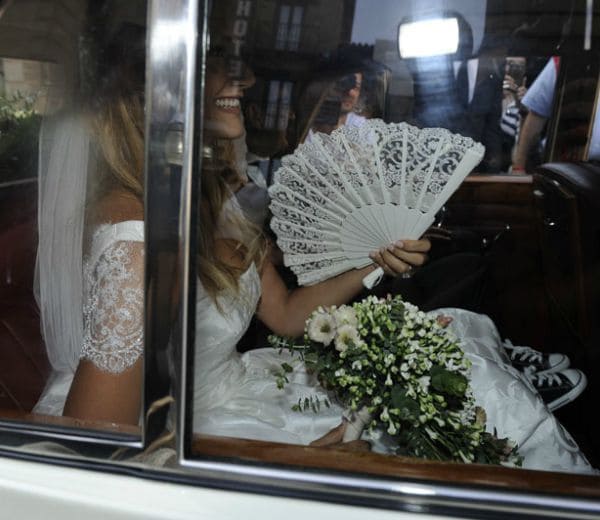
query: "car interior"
522, 248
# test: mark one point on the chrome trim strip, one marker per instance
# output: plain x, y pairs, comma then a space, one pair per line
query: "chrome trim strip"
171, 62
589, 13
372, 490
190, 188
10, 184
426, 497
32, 432
193, 143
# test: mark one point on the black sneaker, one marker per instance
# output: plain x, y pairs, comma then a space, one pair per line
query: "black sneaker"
530, 361
559, 388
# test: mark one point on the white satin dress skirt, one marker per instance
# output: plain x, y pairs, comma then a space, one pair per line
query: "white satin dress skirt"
236, 395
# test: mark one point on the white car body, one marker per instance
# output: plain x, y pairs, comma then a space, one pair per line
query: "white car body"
40, 490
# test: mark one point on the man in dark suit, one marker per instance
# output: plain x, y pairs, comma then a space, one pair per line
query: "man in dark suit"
479, 114
463, 93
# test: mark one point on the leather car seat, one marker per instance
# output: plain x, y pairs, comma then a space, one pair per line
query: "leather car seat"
24, 366
568, 203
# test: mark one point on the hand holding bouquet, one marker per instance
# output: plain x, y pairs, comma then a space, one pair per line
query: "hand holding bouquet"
399, 370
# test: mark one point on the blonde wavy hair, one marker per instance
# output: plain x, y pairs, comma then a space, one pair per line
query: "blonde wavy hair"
119, 132
216, 275
118, 127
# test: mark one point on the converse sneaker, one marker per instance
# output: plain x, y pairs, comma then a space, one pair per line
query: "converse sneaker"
559, 388
530, 361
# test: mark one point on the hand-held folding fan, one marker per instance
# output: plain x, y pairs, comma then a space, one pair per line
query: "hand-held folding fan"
341, 196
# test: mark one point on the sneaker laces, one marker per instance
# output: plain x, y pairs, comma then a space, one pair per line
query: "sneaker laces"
526, 354
550, 378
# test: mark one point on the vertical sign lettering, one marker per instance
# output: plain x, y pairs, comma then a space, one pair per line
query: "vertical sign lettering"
239, 32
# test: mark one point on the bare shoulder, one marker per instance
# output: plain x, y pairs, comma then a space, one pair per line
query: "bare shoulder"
117, 206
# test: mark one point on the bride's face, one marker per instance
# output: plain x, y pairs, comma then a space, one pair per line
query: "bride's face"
222, 101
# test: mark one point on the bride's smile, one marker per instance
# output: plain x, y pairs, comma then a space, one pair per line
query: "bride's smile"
223, 95
230, 104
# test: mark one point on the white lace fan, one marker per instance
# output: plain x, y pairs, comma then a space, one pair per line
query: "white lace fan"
341, 196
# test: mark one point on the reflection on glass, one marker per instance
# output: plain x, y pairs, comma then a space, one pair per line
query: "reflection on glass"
414, 40
537, 102
28, 90
72, 140
319, 161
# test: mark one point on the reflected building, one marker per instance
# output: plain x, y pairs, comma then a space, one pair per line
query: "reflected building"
285, 42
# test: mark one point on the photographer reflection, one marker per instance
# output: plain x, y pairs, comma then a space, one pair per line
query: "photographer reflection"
345, 90
463, 93
513, 90
576, 116
339, 106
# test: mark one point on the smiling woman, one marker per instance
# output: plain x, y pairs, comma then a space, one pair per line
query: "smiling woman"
236, 395
222, 98
149, 268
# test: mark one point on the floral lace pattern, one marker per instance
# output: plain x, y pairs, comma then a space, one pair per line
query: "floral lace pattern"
340, 196
114, 307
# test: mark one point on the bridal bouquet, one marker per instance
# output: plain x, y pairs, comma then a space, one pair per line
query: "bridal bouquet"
399, 370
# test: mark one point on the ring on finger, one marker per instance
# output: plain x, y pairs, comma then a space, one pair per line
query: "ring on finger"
407, 273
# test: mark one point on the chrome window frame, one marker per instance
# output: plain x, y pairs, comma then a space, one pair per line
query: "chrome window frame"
170, 101
362, 490
170, 235
169, 87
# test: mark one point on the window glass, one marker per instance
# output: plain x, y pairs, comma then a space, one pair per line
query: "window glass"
29, 89
339, 139
71, 223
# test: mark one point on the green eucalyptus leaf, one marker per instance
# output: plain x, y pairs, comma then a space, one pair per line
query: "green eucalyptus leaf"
409, 408
447, 382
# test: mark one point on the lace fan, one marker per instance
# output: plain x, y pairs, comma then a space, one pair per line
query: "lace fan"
341, 196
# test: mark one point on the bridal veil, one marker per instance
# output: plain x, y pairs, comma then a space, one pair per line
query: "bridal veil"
64, 150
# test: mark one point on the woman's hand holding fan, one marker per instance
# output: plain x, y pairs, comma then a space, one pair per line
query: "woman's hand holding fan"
402, 256
343, 196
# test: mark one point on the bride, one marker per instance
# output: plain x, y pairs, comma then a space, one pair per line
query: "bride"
97, 361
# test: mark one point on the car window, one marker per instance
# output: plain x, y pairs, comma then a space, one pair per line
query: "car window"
309, 248
327, 128
71, 182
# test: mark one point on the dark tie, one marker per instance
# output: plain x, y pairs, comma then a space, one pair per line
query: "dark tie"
462, 84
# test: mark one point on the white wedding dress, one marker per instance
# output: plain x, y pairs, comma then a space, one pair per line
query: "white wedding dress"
236, 395
113, 309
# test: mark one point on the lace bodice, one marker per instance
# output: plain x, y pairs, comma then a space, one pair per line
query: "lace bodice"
113, 310
114, 296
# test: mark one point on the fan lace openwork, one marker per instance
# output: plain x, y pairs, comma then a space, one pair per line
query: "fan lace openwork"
340, 196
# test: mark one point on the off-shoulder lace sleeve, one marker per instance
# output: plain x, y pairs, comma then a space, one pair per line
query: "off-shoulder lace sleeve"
114, 308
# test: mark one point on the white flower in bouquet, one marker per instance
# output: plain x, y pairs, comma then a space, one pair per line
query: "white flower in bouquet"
321, 327
401, 368
346, 336
356, 365
385, 416
424, 382
345, 315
